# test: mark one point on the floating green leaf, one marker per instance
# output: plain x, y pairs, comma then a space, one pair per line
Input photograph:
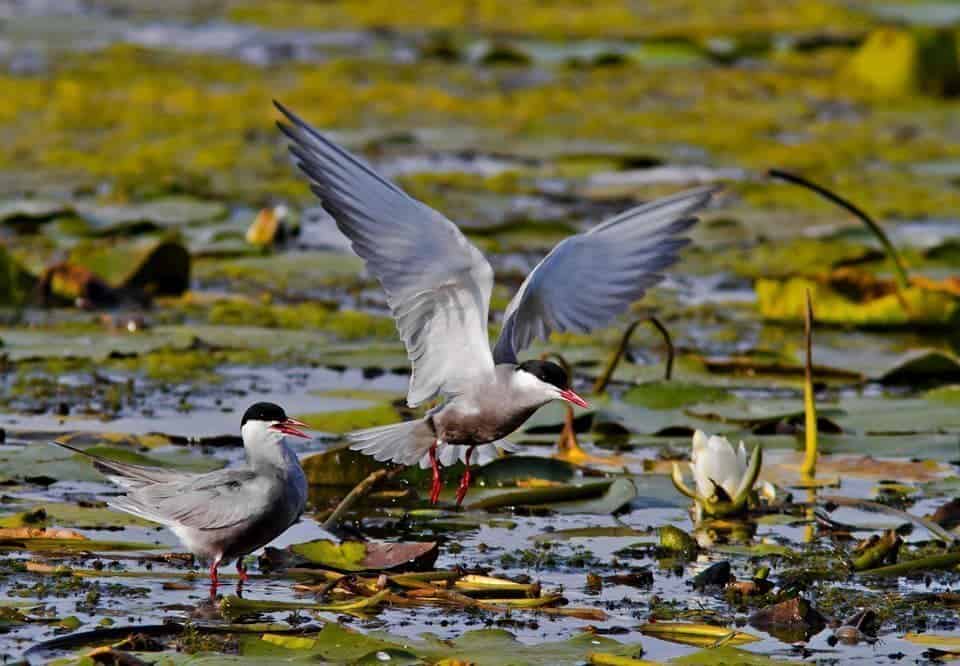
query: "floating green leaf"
367, 556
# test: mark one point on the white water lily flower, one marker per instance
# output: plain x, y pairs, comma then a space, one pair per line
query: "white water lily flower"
724, 476
715, 463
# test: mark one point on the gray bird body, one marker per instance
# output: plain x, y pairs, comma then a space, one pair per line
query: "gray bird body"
438, 288
221, 515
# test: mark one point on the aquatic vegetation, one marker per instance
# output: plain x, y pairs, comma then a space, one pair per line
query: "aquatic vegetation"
724, 477
141, 128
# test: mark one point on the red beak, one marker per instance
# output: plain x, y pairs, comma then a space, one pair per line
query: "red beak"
291, 427
570, 396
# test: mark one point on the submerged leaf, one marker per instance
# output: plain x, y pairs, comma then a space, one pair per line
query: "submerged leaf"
485, 647
544, 495
673, 394
367, 556
703, 635
513, 470
785, 301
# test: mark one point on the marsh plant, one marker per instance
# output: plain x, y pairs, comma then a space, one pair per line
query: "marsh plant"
724, 476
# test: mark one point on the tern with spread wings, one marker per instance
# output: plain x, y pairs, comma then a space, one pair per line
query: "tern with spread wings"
438, 288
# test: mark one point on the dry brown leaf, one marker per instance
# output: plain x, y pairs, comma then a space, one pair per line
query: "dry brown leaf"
38, 533
107, 655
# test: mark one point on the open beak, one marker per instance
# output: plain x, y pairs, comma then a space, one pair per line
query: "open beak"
570, 396
291, 427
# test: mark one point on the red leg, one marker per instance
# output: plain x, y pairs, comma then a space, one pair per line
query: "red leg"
465, 479
214, 579
435, 488
242, 571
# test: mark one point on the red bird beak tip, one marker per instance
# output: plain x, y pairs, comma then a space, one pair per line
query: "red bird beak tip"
572, 397
291, 427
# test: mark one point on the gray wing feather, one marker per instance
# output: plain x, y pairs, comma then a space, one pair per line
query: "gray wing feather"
590, 278
204, 501
207, 502
127, 475
437, 283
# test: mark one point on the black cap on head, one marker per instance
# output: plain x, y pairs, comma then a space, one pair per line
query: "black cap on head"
548, 372
264, 411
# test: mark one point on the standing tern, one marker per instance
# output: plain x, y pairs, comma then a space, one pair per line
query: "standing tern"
225, 514
438, 288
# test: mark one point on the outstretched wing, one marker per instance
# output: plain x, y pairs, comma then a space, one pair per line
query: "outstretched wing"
590, 278
437, 283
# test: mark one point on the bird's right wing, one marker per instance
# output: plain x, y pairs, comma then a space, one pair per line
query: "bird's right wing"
590, 278
437, 283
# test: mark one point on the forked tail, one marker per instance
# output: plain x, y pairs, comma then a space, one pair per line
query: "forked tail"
405, 443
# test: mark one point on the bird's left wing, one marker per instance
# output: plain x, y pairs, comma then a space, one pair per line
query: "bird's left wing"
590, 278
127, 475
437, 282
206, 502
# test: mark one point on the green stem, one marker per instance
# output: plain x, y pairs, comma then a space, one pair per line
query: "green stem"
923, 564
809, 468
359, 491
603, 380
901, 271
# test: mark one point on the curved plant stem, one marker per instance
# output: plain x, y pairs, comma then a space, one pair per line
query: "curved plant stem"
668, 369
603, 380
901, 271
809, 468
561, 361
359, 491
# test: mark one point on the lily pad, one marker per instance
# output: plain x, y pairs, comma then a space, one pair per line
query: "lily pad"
20, 211
484, 647
784, 300
352, 419
513, 470
601, 497
151, 266
673, 394
358, 556
620, 493
156, 214
73, 515
923, 366
16, 283
948, 395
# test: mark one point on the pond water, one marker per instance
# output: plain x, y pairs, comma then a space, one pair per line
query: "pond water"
142, 148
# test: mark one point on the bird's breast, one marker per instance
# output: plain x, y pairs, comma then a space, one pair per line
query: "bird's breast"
473, 424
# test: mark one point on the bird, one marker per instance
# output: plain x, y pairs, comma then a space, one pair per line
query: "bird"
225, 514
438, 287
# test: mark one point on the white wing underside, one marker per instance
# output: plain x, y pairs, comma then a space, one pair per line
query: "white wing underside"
589, 279
437, 283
